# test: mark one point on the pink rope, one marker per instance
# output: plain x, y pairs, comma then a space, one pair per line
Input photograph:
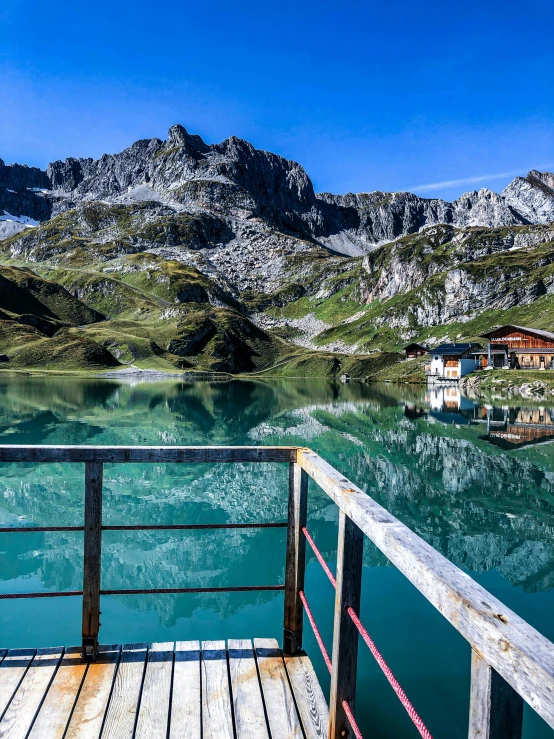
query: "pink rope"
319, 556
412, 713
349, 714
352, 721
316, 631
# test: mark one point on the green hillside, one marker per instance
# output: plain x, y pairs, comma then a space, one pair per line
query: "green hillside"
103, 286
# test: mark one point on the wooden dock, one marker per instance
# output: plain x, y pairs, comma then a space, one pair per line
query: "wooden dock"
251, 691
238, 690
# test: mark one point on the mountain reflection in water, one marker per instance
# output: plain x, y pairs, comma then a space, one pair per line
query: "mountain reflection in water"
475, 481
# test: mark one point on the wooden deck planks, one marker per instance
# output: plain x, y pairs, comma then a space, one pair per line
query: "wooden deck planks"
124, 702
12, 670
152, 693
90, 709
250, 721
217, 720
309, 696
21, 712
186, 715
281, 711
156, 692
56, 709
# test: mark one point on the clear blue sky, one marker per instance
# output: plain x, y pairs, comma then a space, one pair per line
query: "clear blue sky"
365, 95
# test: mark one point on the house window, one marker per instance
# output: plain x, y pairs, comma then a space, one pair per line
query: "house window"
436, 359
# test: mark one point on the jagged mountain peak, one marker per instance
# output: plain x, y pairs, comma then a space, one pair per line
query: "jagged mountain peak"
545, 178
238, 181
532, 196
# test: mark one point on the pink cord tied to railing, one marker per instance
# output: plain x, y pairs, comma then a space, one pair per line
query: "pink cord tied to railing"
412, 713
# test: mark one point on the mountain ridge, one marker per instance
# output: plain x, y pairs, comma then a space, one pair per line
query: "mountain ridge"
236, 179
222, 257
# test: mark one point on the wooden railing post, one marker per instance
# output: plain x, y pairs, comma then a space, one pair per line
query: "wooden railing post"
496, 710
345, 635
296, 559
92, 551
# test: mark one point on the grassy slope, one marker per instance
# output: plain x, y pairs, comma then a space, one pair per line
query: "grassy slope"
97, 256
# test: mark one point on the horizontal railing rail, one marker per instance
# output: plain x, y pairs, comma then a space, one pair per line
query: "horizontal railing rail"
146, 527
162, 454
510, 659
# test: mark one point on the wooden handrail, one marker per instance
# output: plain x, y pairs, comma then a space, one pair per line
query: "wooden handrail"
522, 656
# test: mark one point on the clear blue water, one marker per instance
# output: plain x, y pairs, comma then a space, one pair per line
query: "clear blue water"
461, 475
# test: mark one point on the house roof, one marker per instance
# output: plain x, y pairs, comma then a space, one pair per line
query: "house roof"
453, 348
536, 331
415, 345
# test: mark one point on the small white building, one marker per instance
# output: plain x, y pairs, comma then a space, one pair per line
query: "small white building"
450, 362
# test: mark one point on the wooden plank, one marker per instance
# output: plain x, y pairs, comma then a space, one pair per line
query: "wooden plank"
90, 709
250, 722
156, 691
84, 453
186, 717
217, 720
295, 559
282, 716
54, 713
308, 695
522, 656
12, 670
23, 708
92, 559
495, 710
124, 701
345, 635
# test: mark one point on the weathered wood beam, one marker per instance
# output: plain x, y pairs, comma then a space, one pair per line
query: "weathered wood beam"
519, 653
46, 453
345, 634
495, 709
295, 560
92, 557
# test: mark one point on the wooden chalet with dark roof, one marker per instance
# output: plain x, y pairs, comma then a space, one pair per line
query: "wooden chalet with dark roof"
413, 351
517, 347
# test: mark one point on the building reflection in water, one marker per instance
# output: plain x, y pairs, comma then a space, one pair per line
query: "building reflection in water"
513, 428
506, 427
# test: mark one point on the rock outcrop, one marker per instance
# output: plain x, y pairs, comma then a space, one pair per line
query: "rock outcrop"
532, 196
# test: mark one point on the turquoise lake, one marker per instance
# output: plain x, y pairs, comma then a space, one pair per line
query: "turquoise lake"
475, 481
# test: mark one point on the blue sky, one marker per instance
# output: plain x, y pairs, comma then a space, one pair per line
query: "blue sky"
365, 95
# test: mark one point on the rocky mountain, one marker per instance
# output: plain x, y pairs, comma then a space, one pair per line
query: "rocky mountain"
242, 183
222, 257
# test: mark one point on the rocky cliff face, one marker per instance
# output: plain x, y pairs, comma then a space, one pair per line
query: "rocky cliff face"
241, 183
446, 275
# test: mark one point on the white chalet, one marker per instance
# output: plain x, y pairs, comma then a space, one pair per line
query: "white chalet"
450, 362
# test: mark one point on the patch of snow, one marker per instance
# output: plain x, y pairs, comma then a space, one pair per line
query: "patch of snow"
37, 189
19, 219
8, 189
11, 225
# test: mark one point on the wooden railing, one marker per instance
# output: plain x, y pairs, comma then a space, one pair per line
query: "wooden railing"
511, 661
